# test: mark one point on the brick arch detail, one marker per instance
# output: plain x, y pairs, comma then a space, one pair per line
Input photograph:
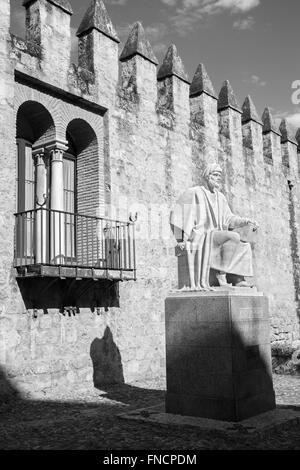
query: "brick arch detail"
62, 112
24, 94
90, 167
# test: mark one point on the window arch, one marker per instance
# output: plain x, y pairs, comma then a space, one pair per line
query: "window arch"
70, 179
82, 142
81, 187
25, 176
35, 127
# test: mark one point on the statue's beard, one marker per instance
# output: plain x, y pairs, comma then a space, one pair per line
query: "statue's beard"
214, 185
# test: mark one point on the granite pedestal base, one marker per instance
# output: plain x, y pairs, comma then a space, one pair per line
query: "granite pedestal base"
218, 355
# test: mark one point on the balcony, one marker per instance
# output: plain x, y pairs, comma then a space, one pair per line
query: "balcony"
52, 243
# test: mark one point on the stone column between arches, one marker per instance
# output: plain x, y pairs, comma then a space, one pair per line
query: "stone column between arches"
57, 217
41, 170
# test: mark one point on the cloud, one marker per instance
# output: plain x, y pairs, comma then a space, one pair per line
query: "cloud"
116, 2
243, 24
188, 13
255, 80
238, 5
157, 34
160, 49
214, 6
170, 3
292, 118
156, 31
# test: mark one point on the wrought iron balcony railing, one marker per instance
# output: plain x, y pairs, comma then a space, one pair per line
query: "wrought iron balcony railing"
71, 241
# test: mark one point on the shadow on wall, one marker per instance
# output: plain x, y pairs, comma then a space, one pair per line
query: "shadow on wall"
7, 390
294, 244
106, 359
107, 368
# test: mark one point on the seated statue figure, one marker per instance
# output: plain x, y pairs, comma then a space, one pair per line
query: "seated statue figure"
204, 226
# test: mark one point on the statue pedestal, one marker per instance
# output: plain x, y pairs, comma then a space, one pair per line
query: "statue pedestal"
218, 354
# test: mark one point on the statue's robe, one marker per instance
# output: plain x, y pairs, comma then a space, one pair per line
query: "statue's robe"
197, 216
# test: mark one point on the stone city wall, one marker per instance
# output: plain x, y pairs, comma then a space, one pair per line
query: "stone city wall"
155, 131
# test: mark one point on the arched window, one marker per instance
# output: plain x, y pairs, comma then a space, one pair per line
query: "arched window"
60, 193
70, 206
35, 128
70, 176
83, 144
25, 200
25, 176
82, 174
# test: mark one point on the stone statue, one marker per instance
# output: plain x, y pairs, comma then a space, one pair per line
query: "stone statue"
203, 225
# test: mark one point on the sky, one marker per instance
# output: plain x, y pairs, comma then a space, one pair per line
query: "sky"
252, 43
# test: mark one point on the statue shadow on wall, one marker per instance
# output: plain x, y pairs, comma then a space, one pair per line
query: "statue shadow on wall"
107, 362
7, 390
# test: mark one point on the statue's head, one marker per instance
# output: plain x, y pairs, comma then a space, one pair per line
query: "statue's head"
213, 176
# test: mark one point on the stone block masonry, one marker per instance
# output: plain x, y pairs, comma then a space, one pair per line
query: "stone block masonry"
218, 355
154, 129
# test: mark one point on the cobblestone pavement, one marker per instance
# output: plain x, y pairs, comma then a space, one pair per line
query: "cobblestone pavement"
87, 419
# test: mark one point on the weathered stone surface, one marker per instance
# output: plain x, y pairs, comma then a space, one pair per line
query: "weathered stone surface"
172, 65
204, 133
227, 98
201, 83
63, 4
96, 17
138, 84
48, 29
231, 143
268, 121
286, 132
137, 43
219, 369
298, 138
249, 111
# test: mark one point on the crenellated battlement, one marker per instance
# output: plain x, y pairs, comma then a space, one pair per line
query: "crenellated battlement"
132, 77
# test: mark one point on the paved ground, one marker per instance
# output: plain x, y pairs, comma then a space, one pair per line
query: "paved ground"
87, 419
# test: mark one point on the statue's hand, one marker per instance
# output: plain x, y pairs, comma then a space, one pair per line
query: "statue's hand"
181, 245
